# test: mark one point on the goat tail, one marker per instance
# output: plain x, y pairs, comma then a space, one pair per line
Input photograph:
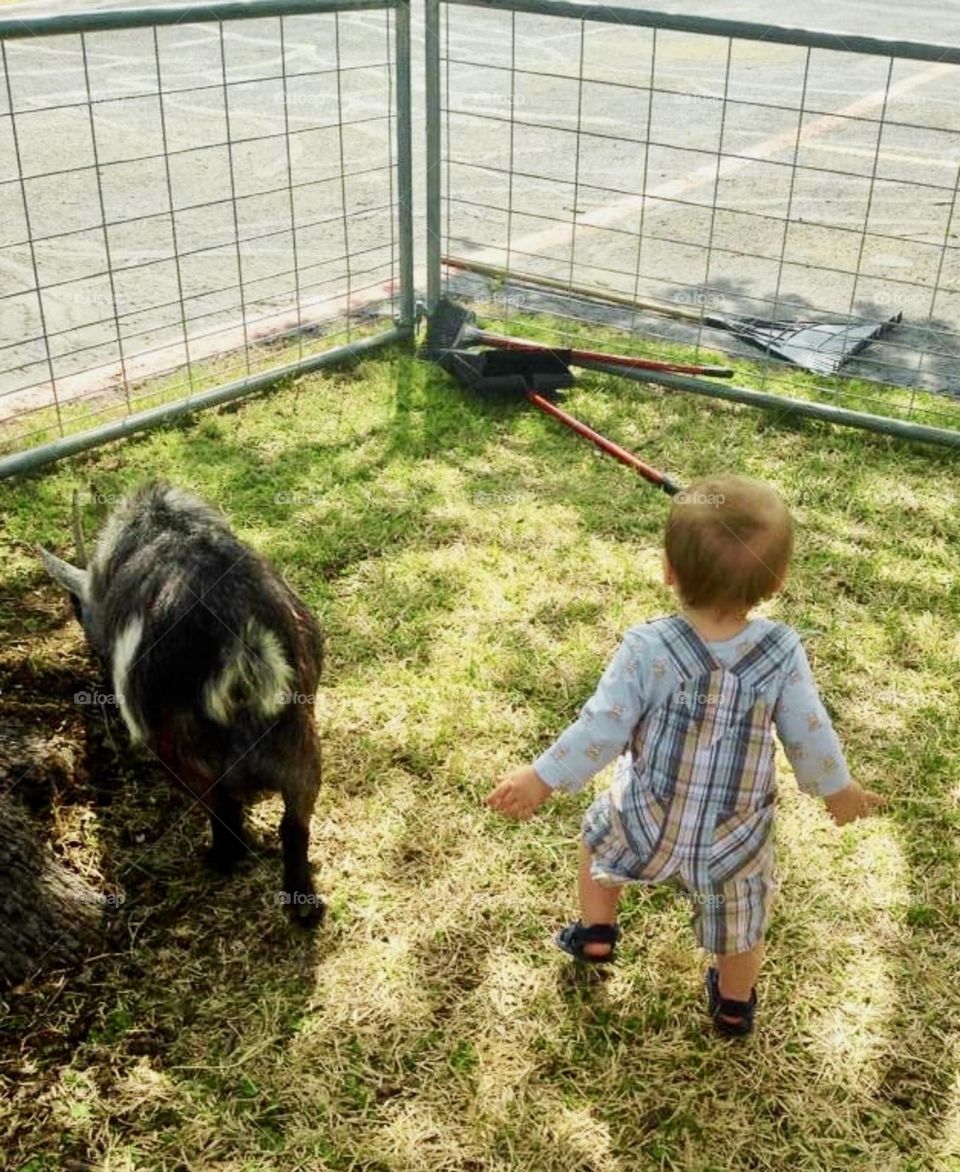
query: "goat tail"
255, 677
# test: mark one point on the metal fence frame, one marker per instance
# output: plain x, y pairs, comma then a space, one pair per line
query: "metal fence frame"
16, 27
576, 10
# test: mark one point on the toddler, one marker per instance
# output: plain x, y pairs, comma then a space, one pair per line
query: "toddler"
688, 704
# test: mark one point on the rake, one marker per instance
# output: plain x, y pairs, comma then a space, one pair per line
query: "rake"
532, 371
818, 346
450, 328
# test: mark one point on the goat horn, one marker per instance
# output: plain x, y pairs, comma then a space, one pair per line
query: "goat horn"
71, 578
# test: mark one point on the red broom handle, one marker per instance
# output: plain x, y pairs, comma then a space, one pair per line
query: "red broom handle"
658, 478
505, 343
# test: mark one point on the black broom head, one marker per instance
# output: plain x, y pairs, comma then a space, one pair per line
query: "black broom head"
494, 372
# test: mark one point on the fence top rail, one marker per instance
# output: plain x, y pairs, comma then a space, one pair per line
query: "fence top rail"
105, 19
721, 27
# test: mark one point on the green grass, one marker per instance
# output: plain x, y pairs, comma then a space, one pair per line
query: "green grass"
752, 370
473, 565
769, 375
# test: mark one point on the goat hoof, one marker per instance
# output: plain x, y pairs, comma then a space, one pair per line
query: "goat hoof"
305, 907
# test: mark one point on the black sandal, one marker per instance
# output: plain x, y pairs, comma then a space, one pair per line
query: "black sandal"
574, 937
720, 1008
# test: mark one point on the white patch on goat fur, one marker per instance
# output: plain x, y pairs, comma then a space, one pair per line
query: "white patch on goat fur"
176, 498
257, 676
220, 693
277, 675
123, 657
169, 594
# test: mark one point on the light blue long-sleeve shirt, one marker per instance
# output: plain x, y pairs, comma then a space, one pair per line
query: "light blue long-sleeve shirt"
638, 678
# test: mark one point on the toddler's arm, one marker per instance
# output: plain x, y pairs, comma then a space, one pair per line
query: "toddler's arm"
595, 738
813, 748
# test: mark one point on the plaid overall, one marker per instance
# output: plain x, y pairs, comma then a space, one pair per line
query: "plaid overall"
693, 802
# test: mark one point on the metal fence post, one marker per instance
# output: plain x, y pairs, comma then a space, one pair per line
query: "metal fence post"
433, 186
404, 166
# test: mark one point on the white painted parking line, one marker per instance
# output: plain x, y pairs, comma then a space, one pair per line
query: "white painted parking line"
949, 164
609, 215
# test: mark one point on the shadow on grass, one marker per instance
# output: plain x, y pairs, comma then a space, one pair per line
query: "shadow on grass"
179, 947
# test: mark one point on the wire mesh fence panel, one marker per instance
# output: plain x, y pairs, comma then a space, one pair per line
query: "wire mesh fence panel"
709, 188
188, 204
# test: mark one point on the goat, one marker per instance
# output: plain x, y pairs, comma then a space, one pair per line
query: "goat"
214, 663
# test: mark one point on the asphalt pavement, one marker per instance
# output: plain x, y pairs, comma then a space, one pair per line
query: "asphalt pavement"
681, 170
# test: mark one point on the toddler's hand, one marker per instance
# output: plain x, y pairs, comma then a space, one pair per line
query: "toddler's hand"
853, 802
519, 793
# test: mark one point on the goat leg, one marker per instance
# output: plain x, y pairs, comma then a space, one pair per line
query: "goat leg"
230, 845
299, 797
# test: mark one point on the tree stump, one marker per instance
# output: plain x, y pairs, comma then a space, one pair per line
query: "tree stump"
49, 916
